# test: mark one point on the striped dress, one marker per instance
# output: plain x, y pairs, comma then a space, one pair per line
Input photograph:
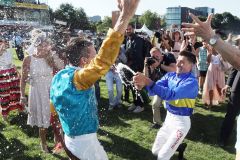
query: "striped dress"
203, 65
9, 85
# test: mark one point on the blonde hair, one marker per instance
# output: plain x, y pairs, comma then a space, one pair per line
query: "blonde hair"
154, 49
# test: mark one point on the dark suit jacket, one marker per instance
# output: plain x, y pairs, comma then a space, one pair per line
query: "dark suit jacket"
136, 50
234, 81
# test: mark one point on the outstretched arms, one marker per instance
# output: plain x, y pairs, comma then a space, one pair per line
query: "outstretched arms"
204, 30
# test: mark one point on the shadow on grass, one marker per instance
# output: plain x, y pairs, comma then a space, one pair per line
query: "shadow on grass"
221, 108
12, 148
206, 129
21, 121
125, 148
175, 157
114, 117
60, 157
2, 126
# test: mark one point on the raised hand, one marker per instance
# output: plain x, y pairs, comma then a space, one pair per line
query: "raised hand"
128, 7
127, 10
199, 28
184, 45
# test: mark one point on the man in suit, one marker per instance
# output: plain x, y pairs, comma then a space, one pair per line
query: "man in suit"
233, 106
136, 51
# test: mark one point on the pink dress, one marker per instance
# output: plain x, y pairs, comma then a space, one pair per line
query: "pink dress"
215, 77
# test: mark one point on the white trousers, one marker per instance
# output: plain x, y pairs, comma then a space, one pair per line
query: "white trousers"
86, 147
170, 135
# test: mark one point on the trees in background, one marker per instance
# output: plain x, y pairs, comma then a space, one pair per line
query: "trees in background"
151, 19
104, 25
76, 18
226, 22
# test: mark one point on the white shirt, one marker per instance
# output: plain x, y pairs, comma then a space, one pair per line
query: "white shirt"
6, 60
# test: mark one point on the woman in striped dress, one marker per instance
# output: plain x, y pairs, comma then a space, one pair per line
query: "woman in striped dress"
9, 82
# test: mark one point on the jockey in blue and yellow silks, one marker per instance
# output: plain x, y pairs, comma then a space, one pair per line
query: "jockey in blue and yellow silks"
179, 90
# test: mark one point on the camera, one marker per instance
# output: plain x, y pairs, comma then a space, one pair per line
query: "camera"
150, 61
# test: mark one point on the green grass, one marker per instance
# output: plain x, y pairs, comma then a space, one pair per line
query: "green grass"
124, 135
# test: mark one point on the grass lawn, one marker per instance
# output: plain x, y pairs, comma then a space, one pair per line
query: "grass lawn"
124, 135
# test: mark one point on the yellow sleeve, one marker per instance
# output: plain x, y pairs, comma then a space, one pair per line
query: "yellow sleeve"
99, 66
52, 109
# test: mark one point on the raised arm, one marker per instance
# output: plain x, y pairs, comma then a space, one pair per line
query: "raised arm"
204, 30
24, 77
106, 57
127, 11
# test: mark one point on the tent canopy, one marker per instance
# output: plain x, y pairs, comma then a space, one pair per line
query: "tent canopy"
145, 30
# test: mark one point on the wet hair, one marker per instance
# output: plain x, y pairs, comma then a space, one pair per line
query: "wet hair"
189, 55
76, 49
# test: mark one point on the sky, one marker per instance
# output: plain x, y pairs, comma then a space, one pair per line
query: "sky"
104, 7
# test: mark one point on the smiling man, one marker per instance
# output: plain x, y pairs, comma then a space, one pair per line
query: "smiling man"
179, 90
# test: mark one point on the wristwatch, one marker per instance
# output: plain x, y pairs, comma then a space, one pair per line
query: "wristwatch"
213, 40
